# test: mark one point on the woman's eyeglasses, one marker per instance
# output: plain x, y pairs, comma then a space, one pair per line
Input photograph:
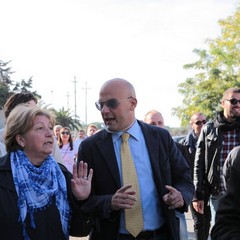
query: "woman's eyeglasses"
111, 103
200, 122
65, 133
233, 101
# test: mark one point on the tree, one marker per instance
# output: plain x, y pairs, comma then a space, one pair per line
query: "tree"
64, 118
217, 69
5, 82
23, 86
7, 86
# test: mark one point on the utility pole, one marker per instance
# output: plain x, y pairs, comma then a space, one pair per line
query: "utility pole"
86, 89
75, 99
52, 98
68, 95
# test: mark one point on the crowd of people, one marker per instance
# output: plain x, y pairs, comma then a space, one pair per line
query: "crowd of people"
54, 185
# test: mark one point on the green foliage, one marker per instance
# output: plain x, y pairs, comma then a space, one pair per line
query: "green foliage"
4, 94
44, 105
5, 82
23, 86
64, 118
7, 87
5, 72
217, 69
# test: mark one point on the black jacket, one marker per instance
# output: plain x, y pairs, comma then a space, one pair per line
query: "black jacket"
227, 224
207, 158
190, 143
47, 221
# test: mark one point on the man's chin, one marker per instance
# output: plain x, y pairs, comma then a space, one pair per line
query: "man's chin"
236, 117
110, 128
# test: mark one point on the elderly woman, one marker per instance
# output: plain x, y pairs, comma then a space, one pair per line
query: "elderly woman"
39, 198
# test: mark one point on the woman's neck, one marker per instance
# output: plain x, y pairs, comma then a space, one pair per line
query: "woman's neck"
65, 142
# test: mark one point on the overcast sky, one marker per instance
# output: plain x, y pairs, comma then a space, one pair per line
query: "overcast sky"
146, 42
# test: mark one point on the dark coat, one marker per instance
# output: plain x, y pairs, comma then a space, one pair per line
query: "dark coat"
47, 221
207, 159
168, 167
190, 143
227, 223
227, 167
206, 165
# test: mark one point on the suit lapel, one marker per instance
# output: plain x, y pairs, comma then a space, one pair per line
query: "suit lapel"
109, 156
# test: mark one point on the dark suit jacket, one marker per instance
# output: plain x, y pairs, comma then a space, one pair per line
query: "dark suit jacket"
168, 166
227, 222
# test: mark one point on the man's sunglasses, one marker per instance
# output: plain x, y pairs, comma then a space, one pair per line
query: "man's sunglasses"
63, 133
110, 103
200, 122
233, 101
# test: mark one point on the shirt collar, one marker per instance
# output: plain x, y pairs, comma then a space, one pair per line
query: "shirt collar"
133, 131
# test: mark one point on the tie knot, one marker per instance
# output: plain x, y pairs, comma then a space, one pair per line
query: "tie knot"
125, 137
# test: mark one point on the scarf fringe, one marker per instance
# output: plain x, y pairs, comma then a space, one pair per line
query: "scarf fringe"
32, 211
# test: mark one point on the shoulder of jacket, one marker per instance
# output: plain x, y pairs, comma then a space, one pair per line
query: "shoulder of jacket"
208, 127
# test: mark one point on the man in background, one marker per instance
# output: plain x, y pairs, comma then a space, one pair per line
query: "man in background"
216, 140
201, 220
154, 117
80, 138
91, 129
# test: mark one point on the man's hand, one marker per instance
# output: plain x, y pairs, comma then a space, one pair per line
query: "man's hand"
124, 198
198, 206
173, 198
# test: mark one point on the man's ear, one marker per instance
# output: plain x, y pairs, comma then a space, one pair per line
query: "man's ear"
222, 103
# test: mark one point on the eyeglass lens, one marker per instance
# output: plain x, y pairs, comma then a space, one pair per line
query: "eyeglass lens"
111, 103
63, 133
233, 101
200, 122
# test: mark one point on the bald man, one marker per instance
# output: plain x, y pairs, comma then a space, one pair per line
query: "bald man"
159, 165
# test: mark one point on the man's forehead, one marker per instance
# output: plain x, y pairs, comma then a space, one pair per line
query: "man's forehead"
199, 116
234, 94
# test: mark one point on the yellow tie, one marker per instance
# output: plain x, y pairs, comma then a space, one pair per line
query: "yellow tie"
133, 217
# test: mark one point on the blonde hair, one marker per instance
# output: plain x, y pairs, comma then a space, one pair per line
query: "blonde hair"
20, 121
